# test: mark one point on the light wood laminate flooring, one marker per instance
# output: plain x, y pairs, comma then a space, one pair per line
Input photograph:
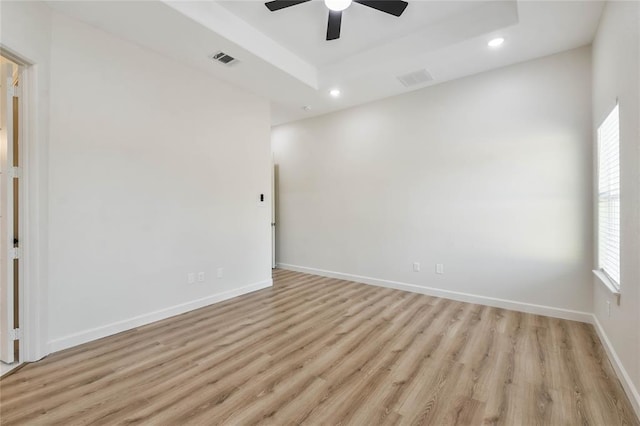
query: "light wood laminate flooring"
321, 351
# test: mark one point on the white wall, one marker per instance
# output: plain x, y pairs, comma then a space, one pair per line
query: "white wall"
489, 175
155, 171
616, 74
25, 30
146, 170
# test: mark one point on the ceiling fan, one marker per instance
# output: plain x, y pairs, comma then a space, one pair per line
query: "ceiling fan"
392, 7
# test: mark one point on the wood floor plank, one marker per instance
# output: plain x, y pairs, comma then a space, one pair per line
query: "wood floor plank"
314, 350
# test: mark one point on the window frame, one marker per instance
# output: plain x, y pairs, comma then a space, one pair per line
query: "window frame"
607, 279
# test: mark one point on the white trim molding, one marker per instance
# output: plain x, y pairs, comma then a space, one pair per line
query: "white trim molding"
607, 283
448, 294
128, 324
34, 277
632, 392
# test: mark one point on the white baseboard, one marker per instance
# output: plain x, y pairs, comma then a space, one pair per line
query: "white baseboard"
447, 294
124, 325
625, 379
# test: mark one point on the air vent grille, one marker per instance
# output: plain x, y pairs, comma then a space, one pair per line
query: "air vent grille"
223, 58
415, 78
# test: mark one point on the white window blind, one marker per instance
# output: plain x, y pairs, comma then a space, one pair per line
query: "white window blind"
609, 197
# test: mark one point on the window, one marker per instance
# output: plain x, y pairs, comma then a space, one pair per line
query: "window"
609, 198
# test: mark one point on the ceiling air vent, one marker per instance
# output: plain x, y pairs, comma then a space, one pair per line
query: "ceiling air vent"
223, 58
415, 78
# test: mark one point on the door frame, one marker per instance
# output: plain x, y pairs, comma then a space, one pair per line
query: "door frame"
10, 217
32, 294
274, 223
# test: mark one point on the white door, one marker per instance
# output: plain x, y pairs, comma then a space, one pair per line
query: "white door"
7, 353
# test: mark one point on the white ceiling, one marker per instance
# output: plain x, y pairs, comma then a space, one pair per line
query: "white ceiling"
302, 28
283, 55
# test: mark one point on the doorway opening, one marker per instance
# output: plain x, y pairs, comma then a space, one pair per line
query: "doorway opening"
10, 213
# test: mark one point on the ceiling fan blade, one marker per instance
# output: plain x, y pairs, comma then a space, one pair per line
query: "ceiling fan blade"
333, 26
281, 4
392, 7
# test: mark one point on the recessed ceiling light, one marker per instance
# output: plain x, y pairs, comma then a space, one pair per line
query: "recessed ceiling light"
307, 107
335, 92
496, 42
337, 5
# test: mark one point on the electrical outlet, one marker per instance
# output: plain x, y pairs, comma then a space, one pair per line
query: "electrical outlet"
200, 277
220, 272
439, 268
191, 277
416, 267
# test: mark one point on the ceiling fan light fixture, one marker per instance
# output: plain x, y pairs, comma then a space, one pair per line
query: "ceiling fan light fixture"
337, 5
392, 7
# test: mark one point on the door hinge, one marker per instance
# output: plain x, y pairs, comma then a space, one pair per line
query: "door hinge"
15, 253
15, 334
15, 172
